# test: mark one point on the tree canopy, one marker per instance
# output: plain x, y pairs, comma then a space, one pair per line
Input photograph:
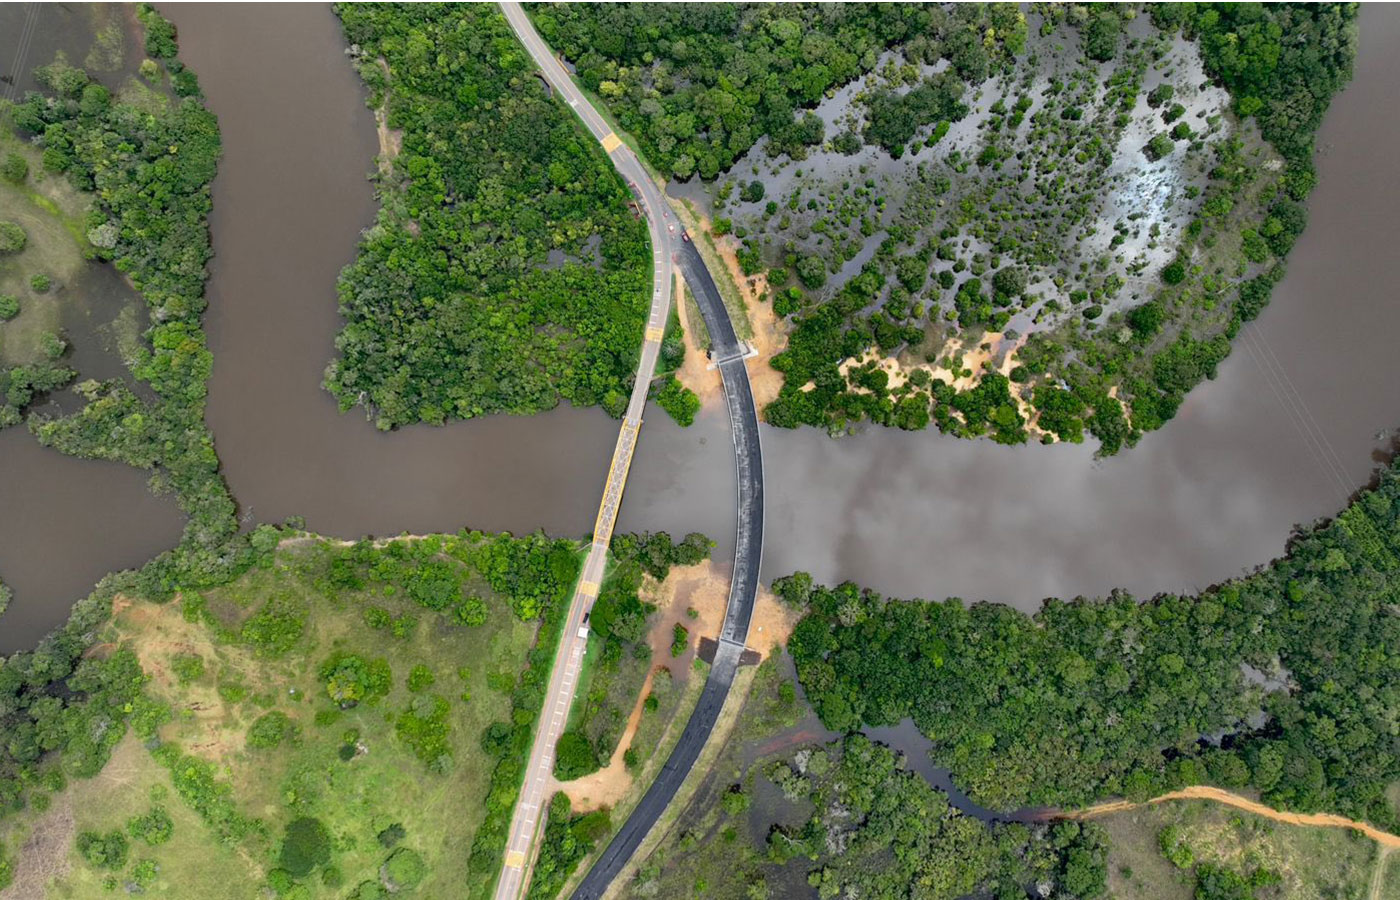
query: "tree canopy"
505, 271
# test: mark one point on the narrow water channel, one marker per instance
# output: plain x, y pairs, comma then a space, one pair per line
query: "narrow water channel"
65, 522
290, 200
1288, 429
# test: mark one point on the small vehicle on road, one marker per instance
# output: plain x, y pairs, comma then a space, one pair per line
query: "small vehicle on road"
671, 227
685, 236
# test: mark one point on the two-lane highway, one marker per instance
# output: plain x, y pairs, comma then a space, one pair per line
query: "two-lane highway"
526, 820
728, 354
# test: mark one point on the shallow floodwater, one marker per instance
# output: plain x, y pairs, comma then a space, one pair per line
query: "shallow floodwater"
1284, 434
1295, 421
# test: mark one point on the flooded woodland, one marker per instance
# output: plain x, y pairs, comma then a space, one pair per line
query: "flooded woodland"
1296, 419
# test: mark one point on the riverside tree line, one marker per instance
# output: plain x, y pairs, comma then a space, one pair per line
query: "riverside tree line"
1284, 681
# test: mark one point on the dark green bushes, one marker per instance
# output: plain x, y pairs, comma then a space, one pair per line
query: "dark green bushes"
893, 119
573, 756
154, 828
104, 851
567, 840
270, 729
679, 401
306, 844
727, 75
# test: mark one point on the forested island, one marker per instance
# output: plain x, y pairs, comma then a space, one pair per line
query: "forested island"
1018, 226
505, 271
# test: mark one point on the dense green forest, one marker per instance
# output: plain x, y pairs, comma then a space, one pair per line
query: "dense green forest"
1284, 680
505, 270
701, 83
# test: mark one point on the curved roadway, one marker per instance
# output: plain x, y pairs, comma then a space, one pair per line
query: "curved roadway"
743, 423
728, 354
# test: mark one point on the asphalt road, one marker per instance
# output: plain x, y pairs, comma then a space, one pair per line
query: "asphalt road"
743, 588
527, 818
727, 352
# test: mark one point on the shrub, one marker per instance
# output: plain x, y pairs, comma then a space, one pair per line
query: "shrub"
404, 869
40, 283
679, 401
144, 873
735, 801
155, 827
1146, 320
680, 637
270, 729
1101, 36
574, 756
15, 168
424, 727
847, 143
1160, 146
188, 667
9, 307
811, 270
104, 851
420, 678
350, 678
305, 845
12, 237
470, 611
391, 835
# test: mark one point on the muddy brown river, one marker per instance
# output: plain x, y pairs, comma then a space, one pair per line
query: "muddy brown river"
1295, 421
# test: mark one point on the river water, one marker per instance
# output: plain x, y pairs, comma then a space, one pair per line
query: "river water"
64, 522
1289, 428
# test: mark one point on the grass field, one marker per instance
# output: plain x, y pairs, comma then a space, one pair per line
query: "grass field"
1311, 863
51, 213
378, 776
